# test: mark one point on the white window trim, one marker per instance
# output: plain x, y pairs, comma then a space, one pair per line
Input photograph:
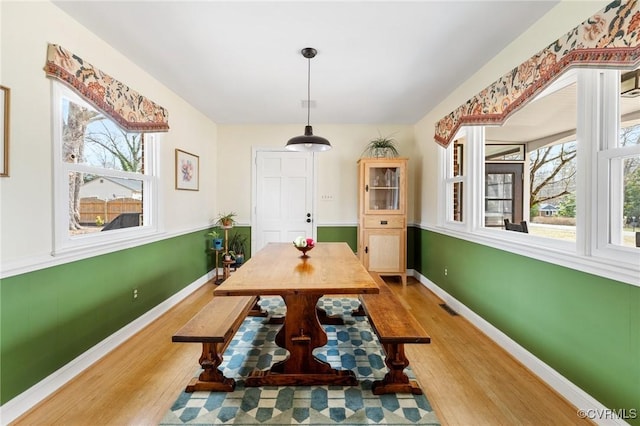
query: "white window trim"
608, 158
446, 162
97, 243
586, 254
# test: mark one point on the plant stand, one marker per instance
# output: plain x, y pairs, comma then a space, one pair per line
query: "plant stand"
218, 279
226, 264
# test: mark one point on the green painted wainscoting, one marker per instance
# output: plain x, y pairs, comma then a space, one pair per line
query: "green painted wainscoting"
585, 327
337, 234
50, 316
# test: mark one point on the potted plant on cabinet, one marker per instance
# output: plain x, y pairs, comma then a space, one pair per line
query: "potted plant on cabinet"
381, 147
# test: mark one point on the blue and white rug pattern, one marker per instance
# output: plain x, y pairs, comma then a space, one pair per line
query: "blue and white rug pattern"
351, 346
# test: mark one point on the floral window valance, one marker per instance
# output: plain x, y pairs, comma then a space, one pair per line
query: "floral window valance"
610, 38
132, 111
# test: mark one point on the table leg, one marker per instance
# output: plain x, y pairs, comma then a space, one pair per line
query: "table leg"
300, 334
335, 319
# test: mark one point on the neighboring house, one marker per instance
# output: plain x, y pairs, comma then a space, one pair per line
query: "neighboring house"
548, 210
111, 188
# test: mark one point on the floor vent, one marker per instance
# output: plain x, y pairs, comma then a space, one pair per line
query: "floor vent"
448, 309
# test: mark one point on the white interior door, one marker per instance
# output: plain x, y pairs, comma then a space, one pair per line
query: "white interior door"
284, 206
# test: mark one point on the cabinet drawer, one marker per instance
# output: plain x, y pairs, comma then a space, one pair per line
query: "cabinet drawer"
384, 222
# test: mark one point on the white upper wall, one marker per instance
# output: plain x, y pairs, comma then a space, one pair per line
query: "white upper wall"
224, 151
26, 195
337, 168
560, 20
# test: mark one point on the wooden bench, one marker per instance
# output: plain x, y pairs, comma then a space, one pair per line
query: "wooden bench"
214, 326
395, 326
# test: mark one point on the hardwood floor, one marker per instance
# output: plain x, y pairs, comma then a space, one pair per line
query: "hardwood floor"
468, 379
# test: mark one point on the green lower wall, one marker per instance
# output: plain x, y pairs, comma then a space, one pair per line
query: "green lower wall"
332, 234
50, 316
585, 327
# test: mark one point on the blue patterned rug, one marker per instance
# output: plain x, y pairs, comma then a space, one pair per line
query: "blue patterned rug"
351, 346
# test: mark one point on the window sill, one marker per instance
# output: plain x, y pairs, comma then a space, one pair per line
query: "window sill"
71, 254
554, 252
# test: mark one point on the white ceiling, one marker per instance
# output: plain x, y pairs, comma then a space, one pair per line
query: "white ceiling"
239, 62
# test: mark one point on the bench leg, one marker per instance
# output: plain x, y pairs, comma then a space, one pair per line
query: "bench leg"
257, 311
359, 312
211, 379
395, 381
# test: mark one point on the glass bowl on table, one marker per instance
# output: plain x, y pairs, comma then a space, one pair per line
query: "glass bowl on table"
304, 245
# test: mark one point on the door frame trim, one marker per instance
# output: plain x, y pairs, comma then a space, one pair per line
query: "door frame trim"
254, 190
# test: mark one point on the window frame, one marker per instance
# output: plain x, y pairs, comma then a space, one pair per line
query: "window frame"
450, 181
590, 253
608, 156
95, 243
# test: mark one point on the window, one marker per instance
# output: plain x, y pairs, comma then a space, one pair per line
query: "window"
567, 163
455, 181
530, 165
619, 165
104, 181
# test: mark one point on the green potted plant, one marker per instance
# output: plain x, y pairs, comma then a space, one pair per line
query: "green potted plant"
226, 220
237, 244
216, 239
381, 147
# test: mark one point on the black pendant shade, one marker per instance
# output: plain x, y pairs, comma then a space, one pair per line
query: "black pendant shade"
308, 142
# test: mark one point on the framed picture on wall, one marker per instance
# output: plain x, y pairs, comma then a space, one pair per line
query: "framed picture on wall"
4, 131
187, 171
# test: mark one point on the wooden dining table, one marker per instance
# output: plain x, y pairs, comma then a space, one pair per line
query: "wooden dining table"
279, 269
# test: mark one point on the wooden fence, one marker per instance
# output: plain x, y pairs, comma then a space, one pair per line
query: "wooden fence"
92, 207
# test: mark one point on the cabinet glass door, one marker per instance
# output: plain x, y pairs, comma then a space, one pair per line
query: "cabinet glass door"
383, 189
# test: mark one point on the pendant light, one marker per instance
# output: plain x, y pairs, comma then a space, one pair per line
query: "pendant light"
308, 142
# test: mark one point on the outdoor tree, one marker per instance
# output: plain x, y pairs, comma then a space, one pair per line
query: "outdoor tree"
631, 173
567, 207
73, 133
113, 148
553, 170
552, 173
631, 206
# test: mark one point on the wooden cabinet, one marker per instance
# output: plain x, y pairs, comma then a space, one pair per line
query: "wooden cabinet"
382, 215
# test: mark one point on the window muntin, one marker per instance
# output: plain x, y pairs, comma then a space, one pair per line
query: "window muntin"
99, 168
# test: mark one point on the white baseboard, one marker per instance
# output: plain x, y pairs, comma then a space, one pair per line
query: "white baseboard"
584, 403
19, 405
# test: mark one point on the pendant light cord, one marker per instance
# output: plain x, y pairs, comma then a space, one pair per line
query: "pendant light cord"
309, 92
